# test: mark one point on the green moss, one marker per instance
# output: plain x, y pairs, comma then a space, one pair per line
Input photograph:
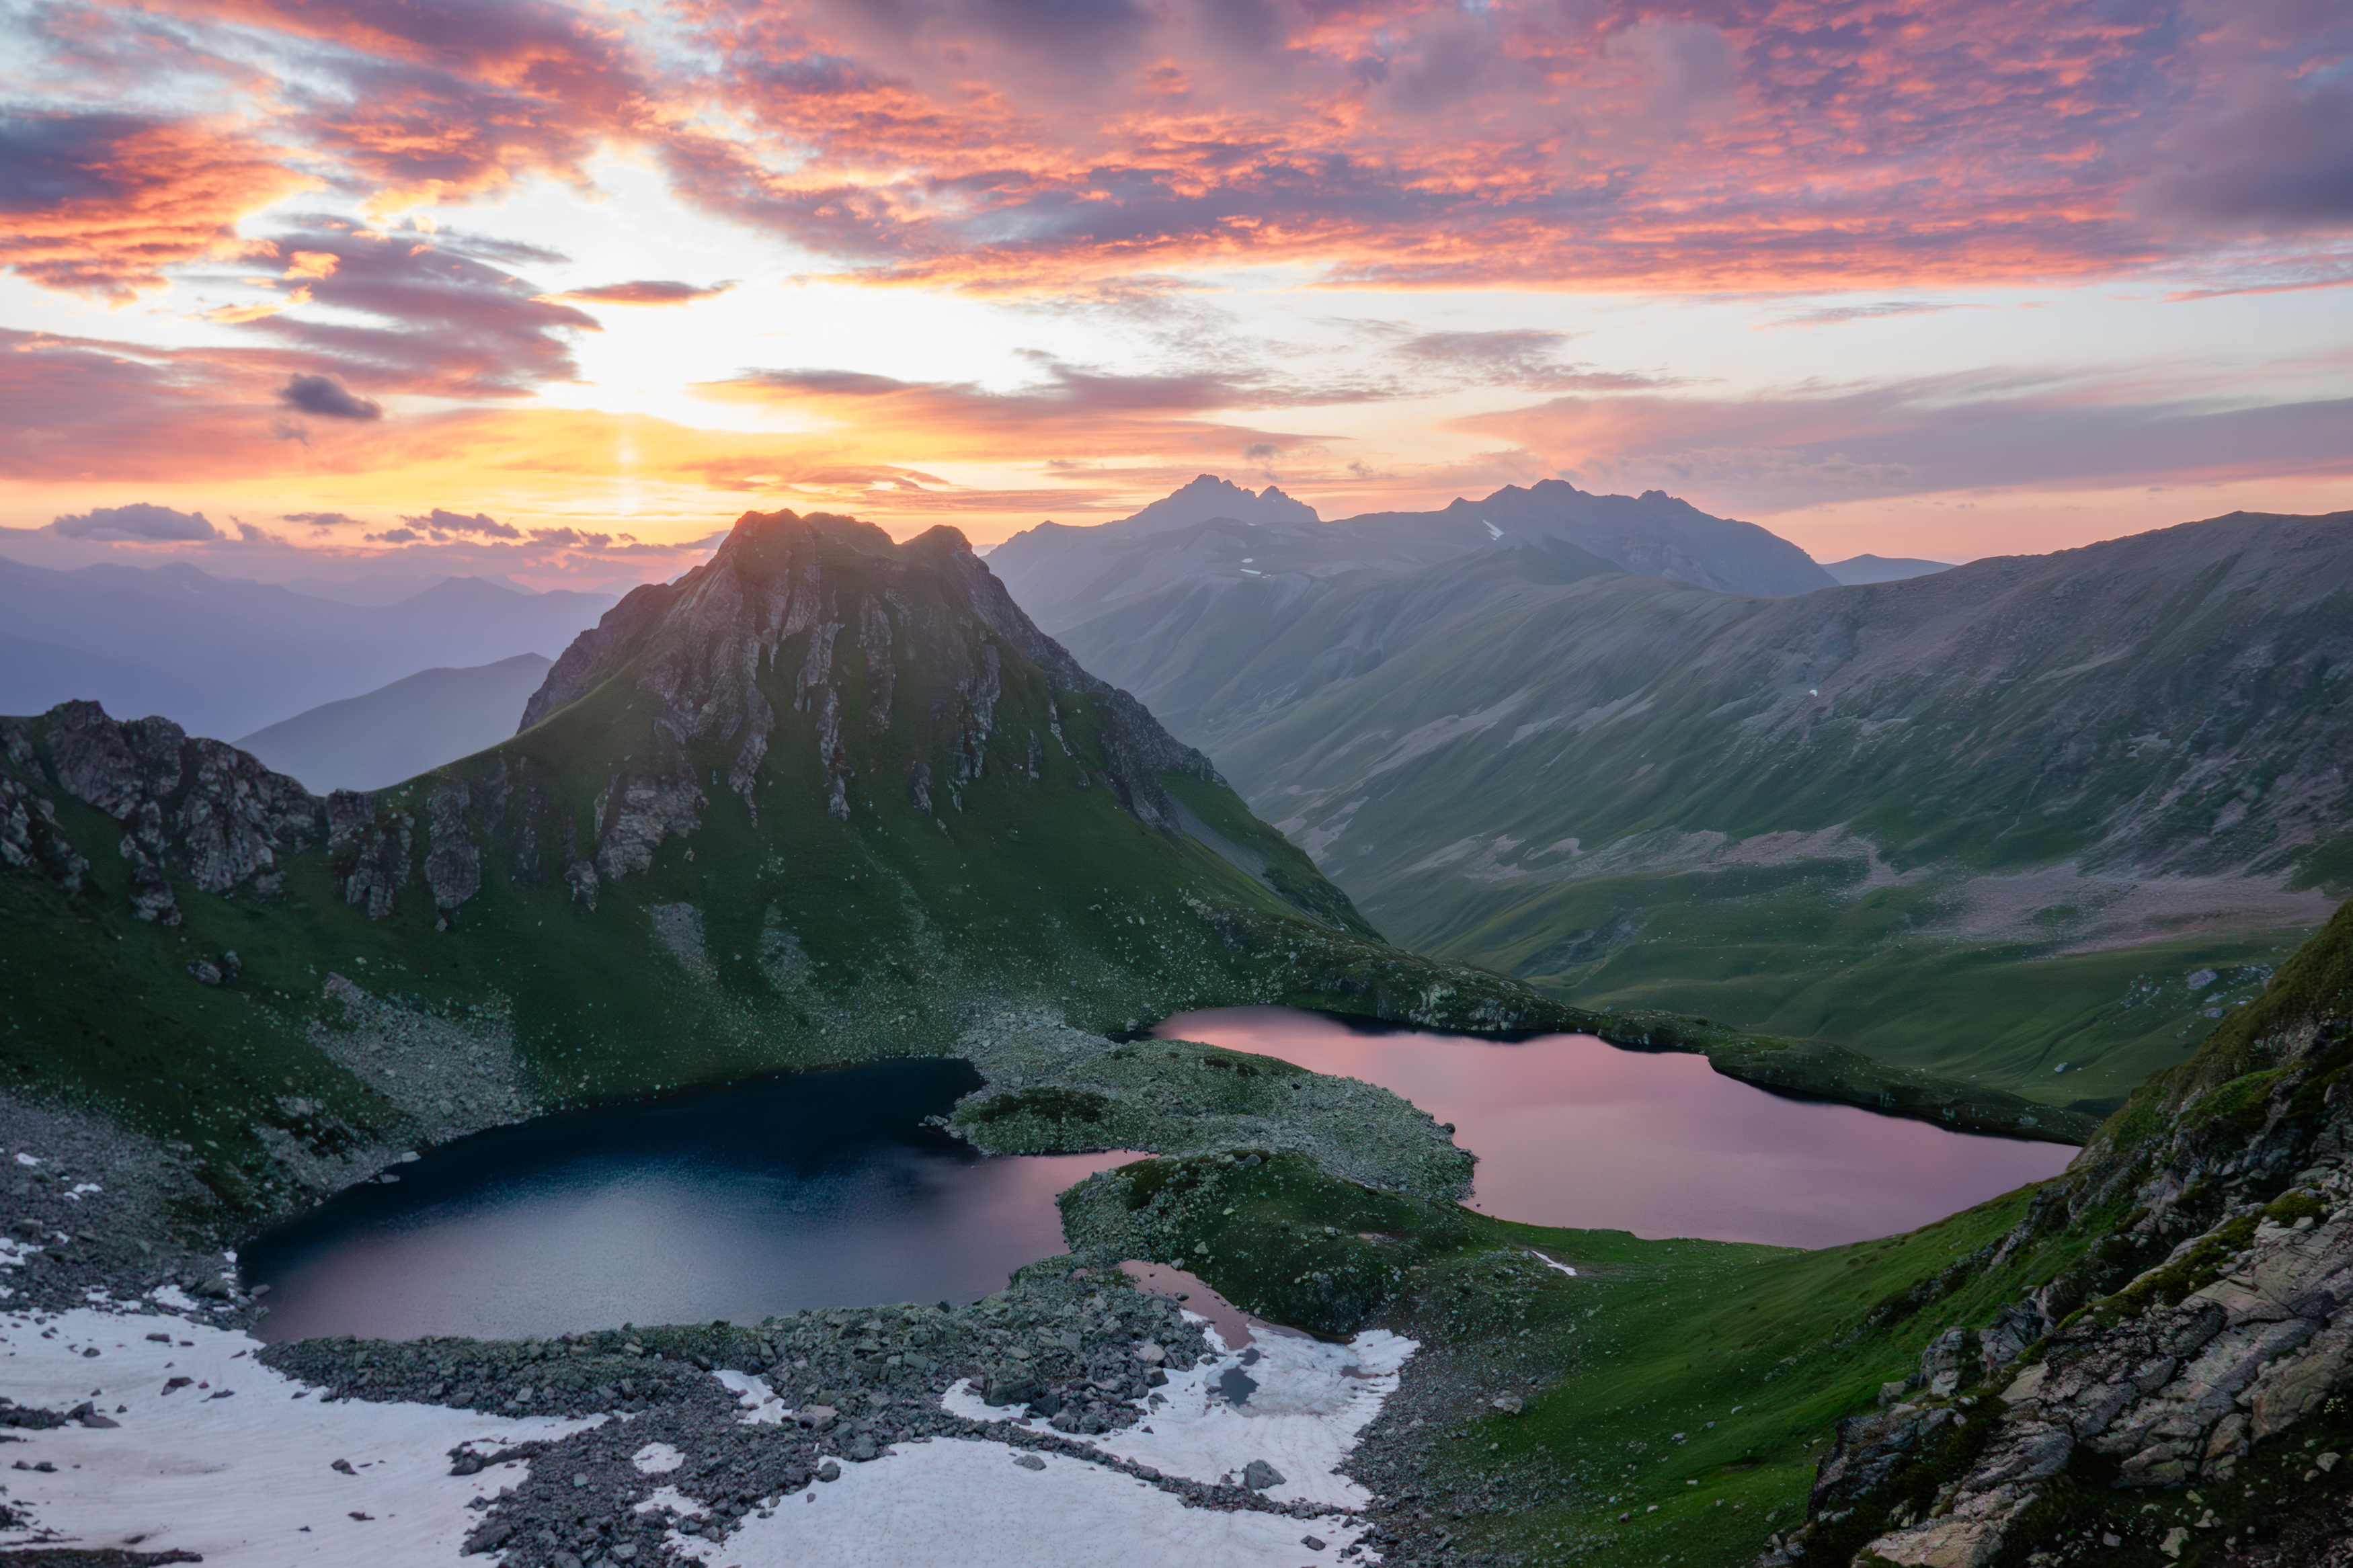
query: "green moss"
2193, 1271
1273, 1233
2290, 1207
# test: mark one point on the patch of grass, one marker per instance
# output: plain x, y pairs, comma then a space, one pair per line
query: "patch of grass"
1681, 1392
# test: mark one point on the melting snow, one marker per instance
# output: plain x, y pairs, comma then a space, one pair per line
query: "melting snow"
239, 1472
966, 1502
1303, 1418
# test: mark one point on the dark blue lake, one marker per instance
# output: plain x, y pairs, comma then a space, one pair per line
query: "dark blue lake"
819, 1189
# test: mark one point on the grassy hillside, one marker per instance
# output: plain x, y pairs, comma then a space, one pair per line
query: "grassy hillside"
2051, 789
1676, 1401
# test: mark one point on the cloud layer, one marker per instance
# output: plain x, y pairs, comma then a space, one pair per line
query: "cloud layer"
1013, 143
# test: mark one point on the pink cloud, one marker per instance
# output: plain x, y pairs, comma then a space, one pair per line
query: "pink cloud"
1041, 143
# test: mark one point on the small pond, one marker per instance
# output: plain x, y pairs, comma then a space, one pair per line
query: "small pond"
1571, 1131
817, 1189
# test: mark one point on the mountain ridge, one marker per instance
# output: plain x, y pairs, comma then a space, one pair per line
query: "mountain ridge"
229, 655
1064, 575
413, 725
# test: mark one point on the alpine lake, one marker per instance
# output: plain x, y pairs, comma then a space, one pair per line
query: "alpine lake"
836, 1188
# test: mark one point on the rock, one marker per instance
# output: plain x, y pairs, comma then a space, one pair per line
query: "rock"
1509, 1403
1150, 1354
2019, 1325
1941, 1363
1029, 1461
371, 855
453, 870
1003, 1391
345, 1466
828, 1471
1311, 1542
864, 1449
1258, 1475
491, 1534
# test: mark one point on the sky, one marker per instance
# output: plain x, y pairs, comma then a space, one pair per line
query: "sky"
557, 291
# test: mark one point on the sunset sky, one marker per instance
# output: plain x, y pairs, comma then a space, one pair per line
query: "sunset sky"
320, 287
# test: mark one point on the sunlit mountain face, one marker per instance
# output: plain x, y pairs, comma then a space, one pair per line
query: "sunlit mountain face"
532, 289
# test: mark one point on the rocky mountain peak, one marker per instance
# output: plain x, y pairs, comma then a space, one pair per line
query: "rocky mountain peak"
1209, 496
900, 658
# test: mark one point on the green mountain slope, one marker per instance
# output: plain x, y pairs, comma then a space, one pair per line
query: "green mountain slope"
2027, 812
825, 798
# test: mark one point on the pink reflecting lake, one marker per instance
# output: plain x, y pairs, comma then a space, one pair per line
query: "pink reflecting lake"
1571, 1131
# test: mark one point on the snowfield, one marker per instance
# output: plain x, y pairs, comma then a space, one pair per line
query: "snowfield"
237, 1463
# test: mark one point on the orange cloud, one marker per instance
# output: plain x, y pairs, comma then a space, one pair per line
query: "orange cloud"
103, 204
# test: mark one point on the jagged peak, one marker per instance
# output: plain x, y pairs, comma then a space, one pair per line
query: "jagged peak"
778, 615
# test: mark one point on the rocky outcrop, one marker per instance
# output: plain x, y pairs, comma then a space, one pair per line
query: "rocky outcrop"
636, 813
196, 808
31, 838
370, 852
2193, 1339
453, 870
858, 621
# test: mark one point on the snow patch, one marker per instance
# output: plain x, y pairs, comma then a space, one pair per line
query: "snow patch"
657, 1460
1309, 1402
962, 1502
239, 1472
761, 1406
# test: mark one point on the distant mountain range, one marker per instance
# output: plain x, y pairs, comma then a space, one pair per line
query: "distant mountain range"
2021, 815
1215, 532
400, 731
1856, 570
223, 656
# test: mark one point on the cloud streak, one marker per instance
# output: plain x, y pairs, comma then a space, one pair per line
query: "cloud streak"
141, 522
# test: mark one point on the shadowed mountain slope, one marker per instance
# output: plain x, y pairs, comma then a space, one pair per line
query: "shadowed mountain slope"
399, 731
223, 656
1839, 814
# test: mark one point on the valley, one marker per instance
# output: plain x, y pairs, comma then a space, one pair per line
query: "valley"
833, 803
1984, 822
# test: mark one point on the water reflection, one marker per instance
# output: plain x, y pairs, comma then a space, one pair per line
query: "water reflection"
1571, 1131
815, 1190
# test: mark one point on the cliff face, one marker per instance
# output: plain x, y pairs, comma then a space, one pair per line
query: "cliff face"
2186, 1384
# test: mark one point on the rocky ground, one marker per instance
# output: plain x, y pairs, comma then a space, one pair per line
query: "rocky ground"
86, 1206
719, 1425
